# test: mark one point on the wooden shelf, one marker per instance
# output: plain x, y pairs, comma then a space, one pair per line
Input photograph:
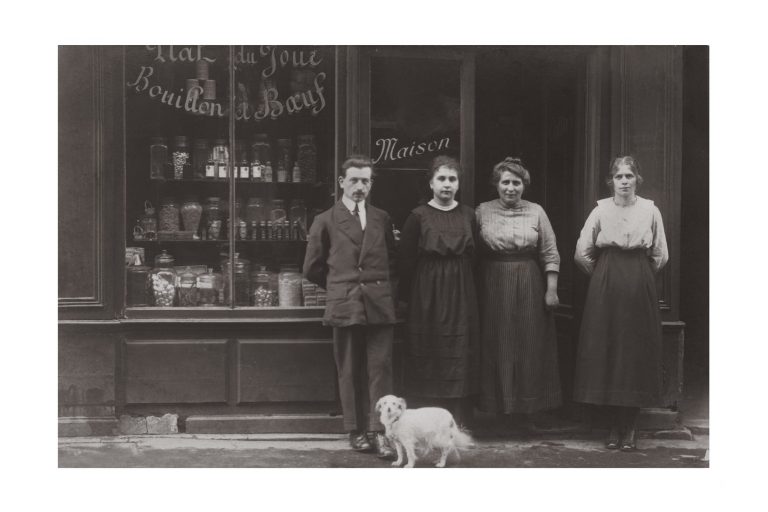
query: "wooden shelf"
225, 314
240, 181
209, 242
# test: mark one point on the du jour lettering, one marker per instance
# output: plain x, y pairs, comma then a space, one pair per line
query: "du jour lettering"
389, 150
282, 58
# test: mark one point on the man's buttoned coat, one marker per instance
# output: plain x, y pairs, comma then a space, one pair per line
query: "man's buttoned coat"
354, 266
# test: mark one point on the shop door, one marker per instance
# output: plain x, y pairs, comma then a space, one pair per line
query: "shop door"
528, 107
412, 104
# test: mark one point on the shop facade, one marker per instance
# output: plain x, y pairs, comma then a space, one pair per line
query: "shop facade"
188, 177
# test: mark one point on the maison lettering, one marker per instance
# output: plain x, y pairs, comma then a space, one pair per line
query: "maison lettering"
389, 150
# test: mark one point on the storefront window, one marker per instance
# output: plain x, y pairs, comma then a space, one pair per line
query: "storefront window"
229, 155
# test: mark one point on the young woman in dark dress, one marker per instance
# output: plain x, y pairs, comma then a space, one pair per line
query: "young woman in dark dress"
436, 260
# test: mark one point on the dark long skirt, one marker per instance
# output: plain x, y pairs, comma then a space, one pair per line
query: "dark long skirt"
619, 354
520, 372
442, 359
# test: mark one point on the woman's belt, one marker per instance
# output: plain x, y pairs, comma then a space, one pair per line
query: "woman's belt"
512, 256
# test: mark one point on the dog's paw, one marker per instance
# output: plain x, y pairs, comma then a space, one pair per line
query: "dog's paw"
409, 465
440, 464
397, 463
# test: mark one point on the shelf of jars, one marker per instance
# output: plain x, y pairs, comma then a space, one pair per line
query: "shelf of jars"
264, 161
167, 286
214, 242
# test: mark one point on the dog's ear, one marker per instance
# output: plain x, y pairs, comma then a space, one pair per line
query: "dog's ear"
401, 401
378, 404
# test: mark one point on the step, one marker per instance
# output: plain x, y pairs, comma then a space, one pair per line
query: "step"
85, 426
265, 424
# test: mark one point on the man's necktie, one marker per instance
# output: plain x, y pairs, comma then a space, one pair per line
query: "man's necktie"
356, 215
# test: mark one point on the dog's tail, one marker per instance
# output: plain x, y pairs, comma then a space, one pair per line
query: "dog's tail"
462, 437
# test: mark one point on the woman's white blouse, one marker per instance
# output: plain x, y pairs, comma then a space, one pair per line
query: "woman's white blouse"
625, 227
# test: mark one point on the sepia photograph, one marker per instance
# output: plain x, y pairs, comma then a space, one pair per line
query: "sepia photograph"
374, 256
300, 248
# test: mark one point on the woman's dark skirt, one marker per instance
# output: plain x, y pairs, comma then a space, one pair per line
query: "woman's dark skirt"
619, 354
520, 372
442, 360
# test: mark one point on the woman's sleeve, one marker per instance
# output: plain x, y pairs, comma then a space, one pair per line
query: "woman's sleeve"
548, 255
585, 246
406, 255
659, 251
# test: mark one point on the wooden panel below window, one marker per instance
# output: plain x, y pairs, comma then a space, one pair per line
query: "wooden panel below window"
86, 375
286, 372
176, 371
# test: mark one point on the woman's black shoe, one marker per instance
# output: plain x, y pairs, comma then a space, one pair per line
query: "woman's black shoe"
359, 442
612, 443
629, 443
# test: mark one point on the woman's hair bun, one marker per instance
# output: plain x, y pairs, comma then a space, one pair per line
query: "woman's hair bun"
513, 160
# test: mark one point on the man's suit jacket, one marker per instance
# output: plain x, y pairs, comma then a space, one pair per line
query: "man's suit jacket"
355, 267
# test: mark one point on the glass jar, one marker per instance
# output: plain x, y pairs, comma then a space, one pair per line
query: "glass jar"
259, 156
163, 279
207, 286
214, 217
220, 154
281, 172
283, 165
191, 213
262, 293
268, 174
298, 218
181, 158
137, 286
201, 153
188, 289
169, 214
242, 269
148, 222
242, 166
241, 226
289, 287
279, 219
255, 210
158, 158
277, 211
306, 156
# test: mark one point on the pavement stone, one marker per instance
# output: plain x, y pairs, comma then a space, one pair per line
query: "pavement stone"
279, 451
166, 424
132, 424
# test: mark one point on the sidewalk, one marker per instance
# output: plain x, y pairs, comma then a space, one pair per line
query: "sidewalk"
332, 451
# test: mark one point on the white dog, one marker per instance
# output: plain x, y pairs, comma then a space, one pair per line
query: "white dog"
424, 429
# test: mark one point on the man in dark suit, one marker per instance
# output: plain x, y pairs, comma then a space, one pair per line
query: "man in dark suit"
351, 254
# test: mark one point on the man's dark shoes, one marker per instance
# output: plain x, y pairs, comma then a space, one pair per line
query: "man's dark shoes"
381, 445
359, 442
